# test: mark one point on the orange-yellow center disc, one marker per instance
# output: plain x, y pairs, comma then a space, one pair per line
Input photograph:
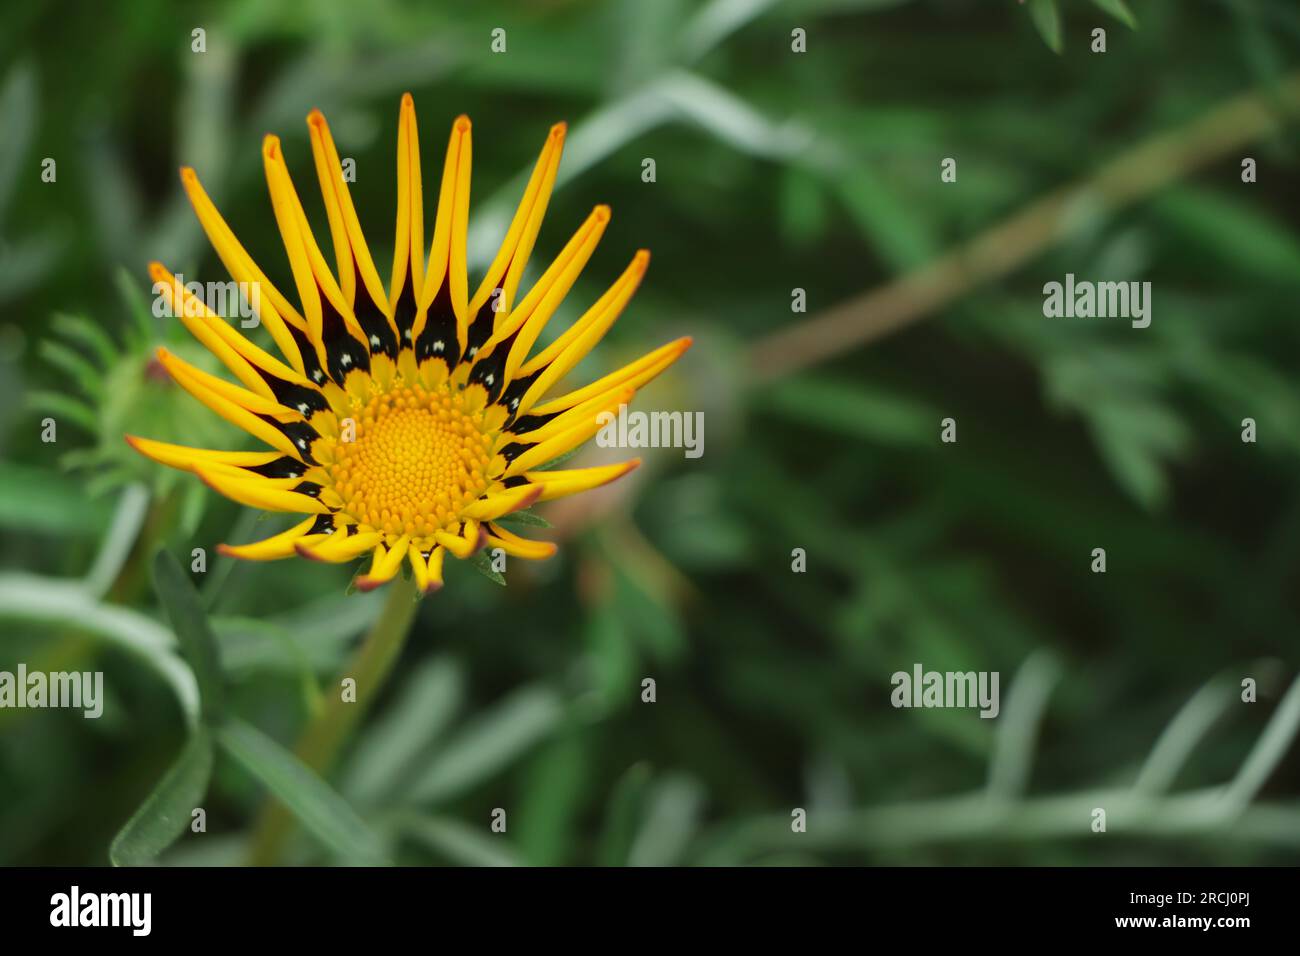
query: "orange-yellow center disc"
408, 460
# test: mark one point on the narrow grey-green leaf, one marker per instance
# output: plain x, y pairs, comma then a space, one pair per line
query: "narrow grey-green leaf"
1120, 11
321, 811
166, 811
1047, 18
190, 623
488, 744
526, 519
456, 842
388, 751
482, 563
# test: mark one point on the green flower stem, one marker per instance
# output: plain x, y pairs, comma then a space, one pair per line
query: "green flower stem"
325, 736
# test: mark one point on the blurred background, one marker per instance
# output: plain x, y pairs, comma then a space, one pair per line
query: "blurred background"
776, 171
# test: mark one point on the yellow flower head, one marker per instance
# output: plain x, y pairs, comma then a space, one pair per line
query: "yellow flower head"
403, 421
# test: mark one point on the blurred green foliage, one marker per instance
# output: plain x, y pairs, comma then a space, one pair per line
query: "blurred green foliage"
775, 170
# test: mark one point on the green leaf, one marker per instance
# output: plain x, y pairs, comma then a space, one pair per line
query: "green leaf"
27, 597
320, 810
179, 596
74, 365
36, 499
622, 813
458, 843
167, 810
672, 816
56, 404
482, 563
1120, 11
525, 519
1238, 234
390, 749
853, 408
80, 329
1047, 18
19, 107
137, 305
488, 744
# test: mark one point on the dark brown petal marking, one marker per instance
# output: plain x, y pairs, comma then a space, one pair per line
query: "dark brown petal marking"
521, 426
480, 327
308, 488
490, 372
324, 524
310, 361
379, 334
439, 340
404, 310
300, 433
514, 394
513, 450
343, 353
282, 467
300, 398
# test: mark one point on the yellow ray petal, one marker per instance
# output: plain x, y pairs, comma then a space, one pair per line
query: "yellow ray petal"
342, 200
240, 355
316, 264
557, 445
341, 546
408, 244
385, 564
243, 397
447, 252
237, 415
428, 574
571, 417
518, 547
536, 309
491, 507
633, 375
557, 484
186, 458
463, 545
601, 315
591, 328
522, 234
257, 493
273, 308
277, 546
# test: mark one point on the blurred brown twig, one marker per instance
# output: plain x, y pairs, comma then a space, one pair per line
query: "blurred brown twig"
1133, 175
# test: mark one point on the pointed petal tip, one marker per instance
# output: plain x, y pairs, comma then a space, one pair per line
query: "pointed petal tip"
408, 101
303, 551
316, 118
270, 146
601, 213
559, 130
462, 124
367, 583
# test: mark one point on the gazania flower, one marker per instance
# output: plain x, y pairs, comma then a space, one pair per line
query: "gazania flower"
402, 421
